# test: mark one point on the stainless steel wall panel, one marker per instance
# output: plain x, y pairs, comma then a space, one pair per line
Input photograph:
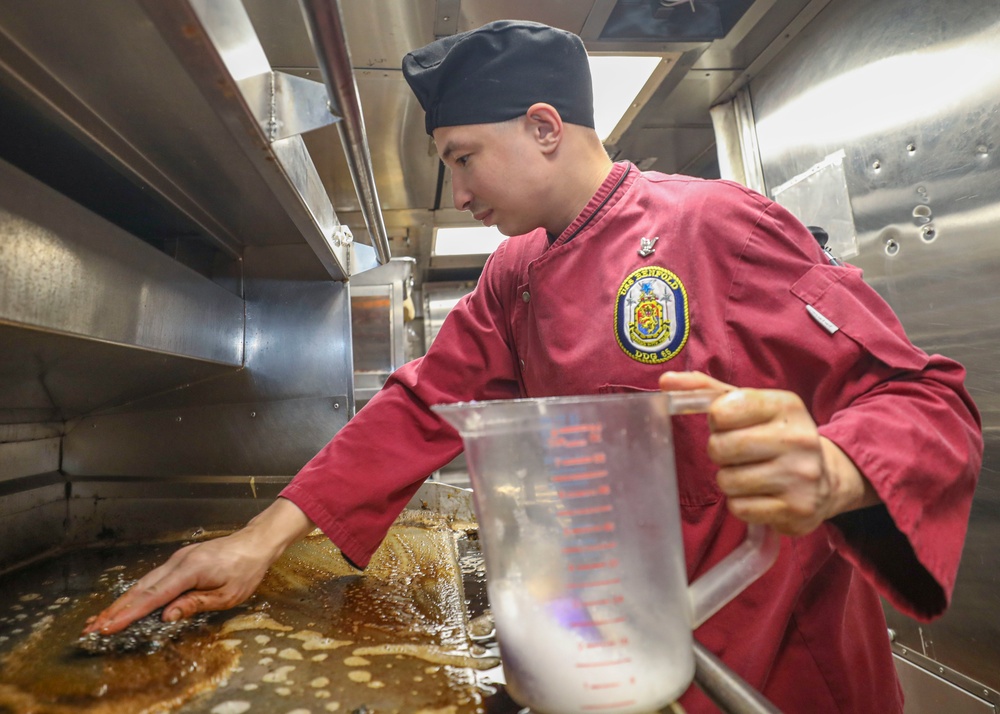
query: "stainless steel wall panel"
31, 522
106, 508
270, 438
134, 509
45, 376
29, 431
910, 91
27, 458
270, 417
63, 269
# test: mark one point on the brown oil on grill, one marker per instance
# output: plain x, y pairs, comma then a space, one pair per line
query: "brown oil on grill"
318, 636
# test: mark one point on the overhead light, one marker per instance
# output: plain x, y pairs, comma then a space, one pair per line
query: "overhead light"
618, 79
466, 240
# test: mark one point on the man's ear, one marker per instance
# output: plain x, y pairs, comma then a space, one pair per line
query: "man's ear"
546, 126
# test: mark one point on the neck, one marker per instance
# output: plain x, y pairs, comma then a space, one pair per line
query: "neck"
584, 167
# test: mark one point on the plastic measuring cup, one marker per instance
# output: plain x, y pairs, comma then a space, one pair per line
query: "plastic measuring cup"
576, 499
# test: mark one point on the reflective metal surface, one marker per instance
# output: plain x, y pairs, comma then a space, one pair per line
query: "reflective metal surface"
91, 316
64, 270
326, 29
134, 117
909, 92
378, 324
294, 392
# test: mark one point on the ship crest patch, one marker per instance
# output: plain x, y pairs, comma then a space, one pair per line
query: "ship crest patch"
651, 315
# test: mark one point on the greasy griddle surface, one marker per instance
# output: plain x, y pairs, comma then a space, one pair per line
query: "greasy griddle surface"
317, 636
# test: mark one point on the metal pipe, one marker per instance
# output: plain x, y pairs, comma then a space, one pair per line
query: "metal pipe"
725, 688
326, 30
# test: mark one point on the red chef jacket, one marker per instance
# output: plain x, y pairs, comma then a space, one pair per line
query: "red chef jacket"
673, 273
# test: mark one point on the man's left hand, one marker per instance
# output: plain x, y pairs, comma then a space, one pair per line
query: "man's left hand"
774, 467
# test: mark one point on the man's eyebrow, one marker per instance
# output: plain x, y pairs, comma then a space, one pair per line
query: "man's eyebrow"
449, 149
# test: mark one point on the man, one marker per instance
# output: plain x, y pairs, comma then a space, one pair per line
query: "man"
616, 280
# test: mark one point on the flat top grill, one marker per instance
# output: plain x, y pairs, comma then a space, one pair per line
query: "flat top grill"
317, 636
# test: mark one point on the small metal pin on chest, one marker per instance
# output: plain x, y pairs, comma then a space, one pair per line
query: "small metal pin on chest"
646, 248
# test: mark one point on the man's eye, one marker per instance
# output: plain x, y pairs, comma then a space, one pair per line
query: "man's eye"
462, 160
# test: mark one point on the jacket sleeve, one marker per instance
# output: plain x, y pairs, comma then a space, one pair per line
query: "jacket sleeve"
358, 483
903, 417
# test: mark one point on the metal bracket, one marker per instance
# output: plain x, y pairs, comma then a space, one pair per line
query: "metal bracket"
446, 17
342, 236
286, 105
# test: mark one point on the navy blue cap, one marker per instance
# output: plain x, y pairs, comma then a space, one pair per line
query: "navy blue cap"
494, 73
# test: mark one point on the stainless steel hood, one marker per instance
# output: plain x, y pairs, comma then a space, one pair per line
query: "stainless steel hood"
133, 92
671, 130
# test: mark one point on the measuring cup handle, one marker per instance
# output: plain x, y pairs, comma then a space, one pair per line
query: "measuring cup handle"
752, 557
734, 573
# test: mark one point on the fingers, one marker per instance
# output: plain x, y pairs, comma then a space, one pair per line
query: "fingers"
770, 455
791, 499
195, 601
214, 575
157, 589
687, 381
747, 407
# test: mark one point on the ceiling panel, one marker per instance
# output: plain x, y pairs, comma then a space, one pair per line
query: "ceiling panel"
566, 14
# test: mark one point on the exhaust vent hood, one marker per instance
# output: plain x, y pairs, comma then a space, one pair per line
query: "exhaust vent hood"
673, 20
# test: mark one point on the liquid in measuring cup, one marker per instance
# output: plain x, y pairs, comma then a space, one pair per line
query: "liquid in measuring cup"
569, 640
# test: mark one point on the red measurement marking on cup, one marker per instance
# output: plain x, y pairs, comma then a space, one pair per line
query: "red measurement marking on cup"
615, 600
607, 527
573, 512
604, 685
594, 583
591, 548
581, 476
584, 492
576, 436
613, 563
622, 642
598, 458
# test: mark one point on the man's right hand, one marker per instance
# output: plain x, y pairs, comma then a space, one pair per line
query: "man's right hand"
214, 575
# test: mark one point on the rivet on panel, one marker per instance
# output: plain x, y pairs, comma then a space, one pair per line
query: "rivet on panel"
336, 405
911, 148
877, 165
928, 234
178, 418
891, 247
253, 414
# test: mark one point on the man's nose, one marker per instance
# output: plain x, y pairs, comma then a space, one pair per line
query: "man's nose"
460, 195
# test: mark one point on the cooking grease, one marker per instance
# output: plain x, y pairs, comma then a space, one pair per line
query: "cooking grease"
339, 640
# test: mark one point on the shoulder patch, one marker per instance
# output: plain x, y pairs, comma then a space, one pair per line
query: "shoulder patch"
651, 315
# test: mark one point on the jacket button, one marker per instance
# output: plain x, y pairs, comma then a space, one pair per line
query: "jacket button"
526, 296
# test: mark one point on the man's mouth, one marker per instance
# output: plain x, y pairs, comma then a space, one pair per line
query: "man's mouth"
483, 216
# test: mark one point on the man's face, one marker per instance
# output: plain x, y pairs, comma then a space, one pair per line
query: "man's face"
496, 174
